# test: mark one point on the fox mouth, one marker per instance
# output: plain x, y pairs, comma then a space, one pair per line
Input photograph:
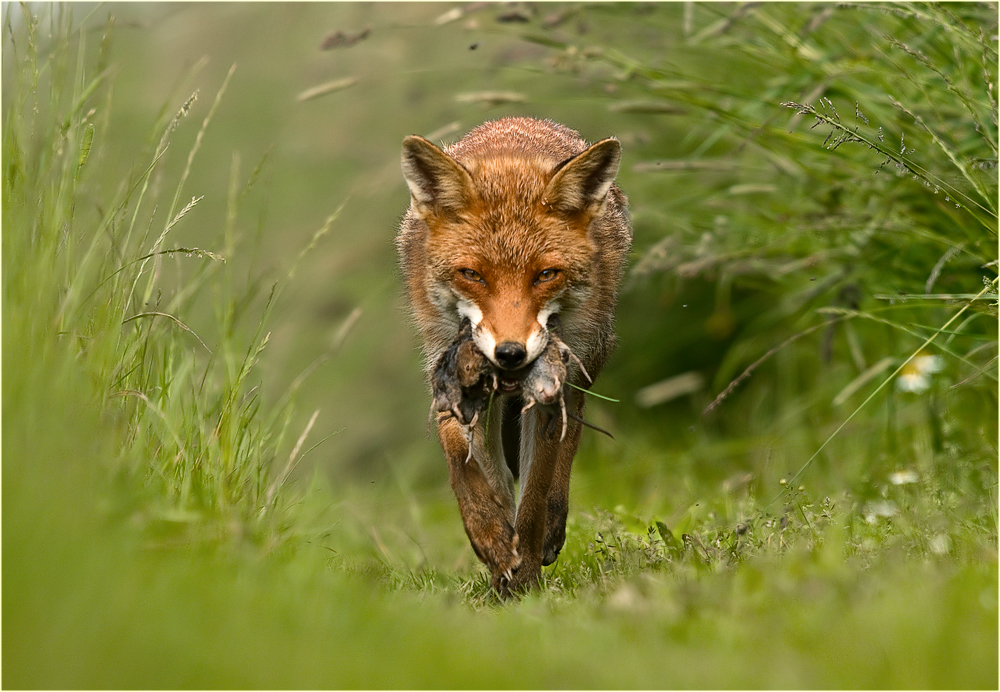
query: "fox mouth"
509, 384
511, 381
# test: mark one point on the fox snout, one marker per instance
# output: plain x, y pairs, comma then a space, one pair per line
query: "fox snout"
511, 333
510, 349
510, 355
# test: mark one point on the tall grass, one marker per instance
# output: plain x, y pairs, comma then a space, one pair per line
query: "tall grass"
152, 537
830, 173
96, 291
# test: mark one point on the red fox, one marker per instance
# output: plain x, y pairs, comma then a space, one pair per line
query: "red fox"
516, 229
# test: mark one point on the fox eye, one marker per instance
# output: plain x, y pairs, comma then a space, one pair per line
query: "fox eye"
546, 275
471, 275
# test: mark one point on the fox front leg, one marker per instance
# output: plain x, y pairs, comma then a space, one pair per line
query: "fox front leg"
558, 497
543, 459
486, 505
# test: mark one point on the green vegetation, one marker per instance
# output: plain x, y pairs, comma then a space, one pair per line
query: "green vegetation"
216, 471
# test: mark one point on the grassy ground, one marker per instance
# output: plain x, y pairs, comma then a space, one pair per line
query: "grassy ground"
216, 471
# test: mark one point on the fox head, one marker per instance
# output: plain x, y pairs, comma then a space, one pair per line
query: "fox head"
508, 238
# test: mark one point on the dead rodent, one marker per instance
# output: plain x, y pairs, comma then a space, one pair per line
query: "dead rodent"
543, 383
463, 379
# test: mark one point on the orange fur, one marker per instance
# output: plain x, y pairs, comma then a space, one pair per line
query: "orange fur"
515, 222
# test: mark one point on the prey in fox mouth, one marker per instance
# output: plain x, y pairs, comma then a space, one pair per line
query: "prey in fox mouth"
464, 380
543, 383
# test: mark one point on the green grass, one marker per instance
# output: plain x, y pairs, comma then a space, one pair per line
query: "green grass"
215, 465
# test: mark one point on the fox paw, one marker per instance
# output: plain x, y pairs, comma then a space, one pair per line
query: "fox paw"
504, 562
551, 551
526, 577
555, 530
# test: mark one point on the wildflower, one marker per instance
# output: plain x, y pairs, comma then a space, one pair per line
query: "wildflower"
940, 544
880, 509
903, 477
915, 376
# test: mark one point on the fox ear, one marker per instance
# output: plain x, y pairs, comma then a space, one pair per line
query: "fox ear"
437, 182
581, 184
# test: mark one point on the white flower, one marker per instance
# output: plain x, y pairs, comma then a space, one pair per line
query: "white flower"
940, 544
915, 376
880, 509
903, 477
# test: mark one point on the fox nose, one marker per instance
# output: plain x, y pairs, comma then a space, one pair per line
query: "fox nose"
510, 354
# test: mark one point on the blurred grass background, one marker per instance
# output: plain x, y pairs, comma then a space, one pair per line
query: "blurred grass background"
814, 197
